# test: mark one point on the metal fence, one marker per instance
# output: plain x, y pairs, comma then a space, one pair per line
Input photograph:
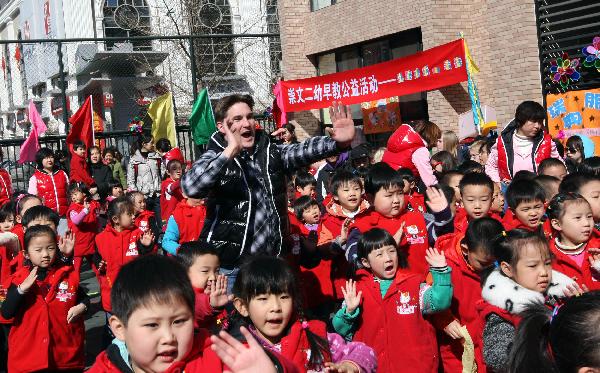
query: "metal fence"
121, 140
123, 75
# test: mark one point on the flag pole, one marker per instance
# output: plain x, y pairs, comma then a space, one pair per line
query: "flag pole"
92, 109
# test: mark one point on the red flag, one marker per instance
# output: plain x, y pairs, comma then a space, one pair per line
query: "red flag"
82, 127
279, 115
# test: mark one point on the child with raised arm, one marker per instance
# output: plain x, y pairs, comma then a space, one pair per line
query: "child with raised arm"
389, 300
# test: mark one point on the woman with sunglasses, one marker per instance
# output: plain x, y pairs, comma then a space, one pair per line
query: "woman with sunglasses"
574, 152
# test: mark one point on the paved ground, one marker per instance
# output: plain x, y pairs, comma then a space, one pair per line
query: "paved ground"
95, 318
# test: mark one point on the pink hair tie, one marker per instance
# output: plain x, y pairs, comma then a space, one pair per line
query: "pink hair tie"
304, 324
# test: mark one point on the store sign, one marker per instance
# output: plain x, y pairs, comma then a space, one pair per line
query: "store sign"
108, 100
434, 68
575, 113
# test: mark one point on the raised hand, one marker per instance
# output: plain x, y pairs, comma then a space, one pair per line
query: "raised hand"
147, 238
435, 258
217, 292
351, 298
66, 244
454, 330
344, 232
343, 126
239, 358
574, 290
86, 204
399, 233
234, 141
74, 312
436, 200
342, 367
595, 261
29, 280
278, 133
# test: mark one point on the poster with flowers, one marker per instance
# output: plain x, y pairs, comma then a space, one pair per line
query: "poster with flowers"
575, 113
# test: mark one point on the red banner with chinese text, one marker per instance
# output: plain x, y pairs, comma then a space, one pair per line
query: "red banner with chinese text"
434, 68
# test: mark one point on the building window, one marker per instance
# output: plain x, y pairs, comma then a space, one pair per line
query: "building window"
126, 18
215, 56
320, 4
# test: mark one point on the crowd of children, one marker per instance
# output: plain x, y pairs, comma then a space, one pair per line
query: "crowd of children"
494, 268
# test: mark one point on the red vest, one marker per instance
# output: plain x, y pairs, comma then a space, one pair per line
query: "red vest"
484, 309
400, 148
466, 292
542, 151
6, 189
40, 337
116, 249
190, 220
86, 230
52, 190
394, 326
294, 345
414, 240
169, 199
582, 275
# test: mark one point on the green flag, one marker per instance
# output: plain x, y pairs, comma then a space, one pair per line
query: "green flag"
202, 120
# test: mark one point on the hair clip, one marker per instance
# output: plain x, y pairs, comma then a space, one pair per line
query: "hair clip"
304, 324
555, 311
503, 233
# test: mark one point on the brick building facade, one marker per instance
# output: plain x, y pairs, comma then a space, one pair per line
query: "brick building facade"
501, 35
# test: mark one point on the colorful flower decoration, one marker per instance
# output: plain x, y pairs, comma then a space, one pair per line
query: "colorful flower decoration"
592, 54
564, 70
136, 125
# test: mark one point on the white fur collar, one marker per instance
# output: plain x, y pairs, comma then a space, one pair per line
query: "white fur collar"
504, 293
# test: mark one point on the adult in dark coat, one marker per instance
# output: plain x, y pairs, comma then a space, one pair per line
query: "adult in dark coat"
242, 177
101, 173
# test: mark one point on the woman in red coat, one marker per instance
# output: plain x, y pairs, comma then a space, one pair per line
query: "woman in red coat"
409, 147
49, 183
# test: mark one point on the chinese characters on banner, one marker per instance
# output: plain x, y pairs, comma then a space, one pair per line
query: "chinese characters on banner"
434, 68
381, 116
575, 113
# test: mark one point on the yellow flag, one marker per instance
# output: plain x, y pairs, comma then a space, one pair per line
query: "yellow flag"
163, 118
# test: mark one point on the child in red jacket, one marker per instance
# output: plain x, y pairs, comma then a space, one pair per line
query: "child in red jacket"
79, 168
144, 219
386, 307
157, 288
170, 191
46, 302
9, 247
383, 188
315, 260
118, 244
571, 217
589, 187
415, 201
266, 297
201, 261
468, 255
82, 220
524, 278
477, 194
184, 225
526, 207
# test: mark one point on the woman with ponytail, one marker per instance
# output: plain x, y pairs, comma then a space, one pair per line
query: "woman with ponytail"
565, 339
267, 298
